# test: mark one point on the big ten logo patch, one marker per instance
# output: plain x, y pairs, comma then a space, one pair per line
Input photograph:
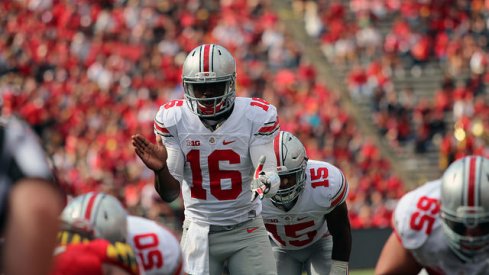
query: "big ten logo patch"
123, 255
193, 143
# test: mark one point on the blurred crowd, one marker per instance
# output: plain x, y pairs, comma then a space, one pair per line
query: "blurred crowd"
386, 39
89, 74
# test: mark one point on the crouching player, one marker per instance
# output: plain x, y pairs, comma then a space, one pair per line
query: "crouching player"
308, 218
157, 250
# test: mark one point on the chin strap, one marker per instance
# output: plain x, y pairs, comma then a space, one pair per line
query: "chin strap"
339, 268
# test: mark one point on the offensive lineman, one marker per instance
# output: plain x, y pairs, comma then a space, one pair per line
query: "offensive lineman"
93, 237
207, 145
308, 218
442, 226
156, 248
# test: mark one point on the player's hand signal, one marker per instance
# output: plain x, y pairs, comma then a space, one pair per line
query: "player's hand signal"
153, 155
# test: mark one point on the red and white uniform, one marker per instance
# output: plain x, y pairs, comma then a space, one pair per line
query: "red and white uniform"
418, 225
215, 167
305, 223
157, 249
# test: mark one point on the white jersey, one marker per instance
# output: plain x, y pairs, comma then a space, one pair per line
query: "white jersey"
305, 223
156, 248
217, 169
418, 225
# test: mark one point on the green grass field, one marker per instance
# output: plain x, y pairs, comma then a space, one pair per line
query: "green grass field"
362, 272
358, 272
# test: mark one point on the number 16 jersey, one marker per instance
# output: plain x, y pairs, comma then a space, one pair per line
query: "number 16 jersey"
217, 166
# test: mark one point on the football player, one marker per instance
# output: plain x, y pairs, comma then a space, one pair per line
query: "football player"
99, 215
93, 239
30, 201
308, 217
442, 226
207, 146
157, 248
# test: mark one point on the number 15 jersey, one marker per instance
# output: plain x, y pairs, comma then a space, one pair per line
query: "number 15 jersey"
217, 166
305, 223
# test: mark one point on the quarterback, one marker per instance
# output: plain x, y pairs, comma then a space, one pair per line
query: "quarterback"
208, 145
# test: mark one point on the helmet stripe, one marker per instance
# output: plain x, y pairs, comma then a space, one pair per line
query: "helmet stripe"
91, 203
277, 142
471, 192
206, 57
211, 58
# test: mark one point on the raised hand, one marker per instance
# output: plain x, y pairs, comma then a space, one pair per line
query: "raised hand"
153, 155
258, 184
264, 184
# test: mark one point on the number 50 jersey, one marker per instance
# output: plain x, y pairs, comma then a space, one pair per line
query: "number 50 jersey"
417, 224
305, 223
157, 249
217, 166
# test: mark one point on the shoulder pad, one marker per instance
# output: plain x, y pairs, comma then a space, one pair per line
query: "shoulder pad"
328, 182
167, 117
262, 114
414, 225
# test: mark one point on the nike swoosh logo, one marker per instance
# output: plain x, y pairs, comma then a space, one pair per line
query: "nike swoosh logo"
225, 142
301, 218
251, 229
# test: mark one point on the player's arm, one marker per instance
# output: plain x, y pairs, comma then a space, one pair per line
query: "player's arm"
167, 186
339, 227
266, 127
34, 207
34, 204
161, 160
395, 259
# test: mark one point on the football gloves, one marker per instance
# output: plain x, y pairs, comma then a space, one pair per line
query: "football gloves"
264, 184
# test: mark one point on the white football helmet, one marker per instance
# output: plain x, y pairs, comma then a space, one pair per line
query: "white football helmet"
98, 212
465, 205
291, 160
211, 65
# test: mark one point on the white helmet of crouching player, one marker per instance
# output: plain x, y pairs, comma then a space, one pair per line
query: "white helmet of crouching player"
465, 205
291, 167
98, 212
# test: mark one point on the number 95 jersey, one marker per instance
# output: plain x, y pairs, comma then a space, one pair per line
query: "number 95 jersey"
418, 225
217, 166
